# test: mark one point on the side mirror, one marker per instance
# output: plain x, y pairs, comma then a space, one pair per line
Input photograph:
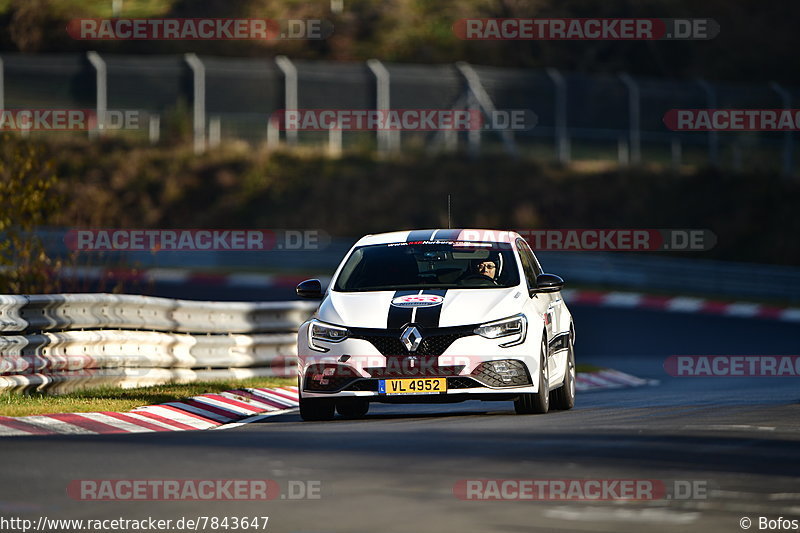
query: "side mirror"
310, 288
548, 283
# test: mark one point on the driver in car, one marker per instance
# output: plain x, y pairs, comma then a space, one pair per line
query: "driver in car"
482, 269
487, 268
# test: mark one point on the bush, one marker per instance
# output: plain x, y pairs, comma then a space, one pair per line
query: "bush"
27, 201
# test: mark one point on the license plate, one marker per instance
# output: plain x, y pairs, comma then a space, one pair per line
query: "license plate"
412, 386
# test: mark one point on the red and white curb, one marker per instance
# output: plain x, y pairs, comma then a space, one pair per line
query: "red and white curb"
222, 410
207, 411
609, 379
680, 304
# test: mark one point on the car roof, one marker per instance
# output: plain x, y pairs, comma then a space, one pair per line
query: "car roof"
441, 234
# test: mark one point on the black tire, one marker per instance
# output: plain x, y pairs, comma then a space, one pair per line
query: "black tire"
536, 403
312, 409
564, 396
352, 407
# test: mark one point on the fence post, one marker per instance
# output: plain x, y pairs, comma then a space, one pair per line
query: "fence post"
788, 164
634, 117
561, 134
485, 102
101, 102
474, 134
290, 92
199, 75
386, 138
713, 138
2, 86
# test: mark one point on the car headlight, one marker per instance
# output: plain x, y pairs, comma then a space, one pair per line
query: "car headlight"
515, 325
320, 331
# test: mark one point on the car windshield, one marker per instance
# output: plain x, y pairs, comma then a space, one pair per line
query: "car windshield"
423, 265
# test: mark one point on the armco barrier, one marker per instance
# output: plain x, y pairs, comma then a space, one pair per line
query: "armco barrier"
72, 341
111, 311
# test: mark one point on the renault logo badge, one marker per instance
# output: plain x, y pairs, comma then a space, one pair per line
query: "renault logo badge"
411, 338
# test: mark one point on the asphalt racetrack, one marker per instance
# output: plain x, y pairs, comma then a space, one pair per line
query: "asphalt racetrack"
736, 441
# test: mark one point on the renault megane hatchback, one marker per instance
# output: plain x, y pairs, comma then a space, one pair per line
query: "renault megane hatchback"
430, 316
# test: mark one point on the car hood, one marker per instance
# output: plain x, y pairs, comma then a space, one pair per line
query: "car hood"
458, 307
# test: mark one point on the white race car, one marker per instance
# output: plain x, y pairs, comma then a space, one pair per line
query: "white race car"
434, 316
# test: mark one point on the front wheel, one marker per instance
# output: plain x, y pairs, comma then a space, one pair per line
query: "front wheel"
352, 407
317, 408
539, 402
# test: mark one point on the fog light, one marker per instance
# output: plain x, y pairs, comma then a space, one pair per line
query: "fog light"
503, 370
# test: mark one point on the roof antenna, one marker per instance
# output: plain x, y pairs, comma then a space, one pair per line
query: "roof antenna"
449, 223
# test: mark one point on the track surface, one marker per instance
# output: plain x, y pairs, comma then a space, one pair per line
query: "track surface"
395, 470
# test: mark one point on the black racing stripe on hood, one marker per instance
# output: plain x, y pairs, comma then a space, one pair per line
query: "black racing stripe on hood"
420, 235
428, 317
399, 316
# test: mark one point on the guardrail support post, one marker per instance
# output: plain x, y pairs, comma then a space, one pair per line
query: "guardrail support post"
713, 137
290, 101
561, 134
335, 141
677, 154
214, 132
634, 113
199, 75
788, 163
154, 126
101, 104
623, 154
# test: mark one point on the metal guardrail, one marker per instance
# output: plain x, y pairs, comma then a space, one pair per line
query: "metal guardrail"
70, 341
113, 311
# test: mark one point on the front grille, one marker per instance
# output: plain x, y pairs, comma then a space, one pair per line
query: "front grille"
462, 383
401, 368
486, 374
434, 340
363, 385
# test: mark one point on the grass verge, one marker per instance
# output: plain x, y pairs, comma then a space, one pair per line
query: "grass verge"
116, 399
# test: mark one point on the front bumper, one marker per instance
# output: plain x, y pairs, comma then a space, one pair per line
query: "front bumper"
354, 368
